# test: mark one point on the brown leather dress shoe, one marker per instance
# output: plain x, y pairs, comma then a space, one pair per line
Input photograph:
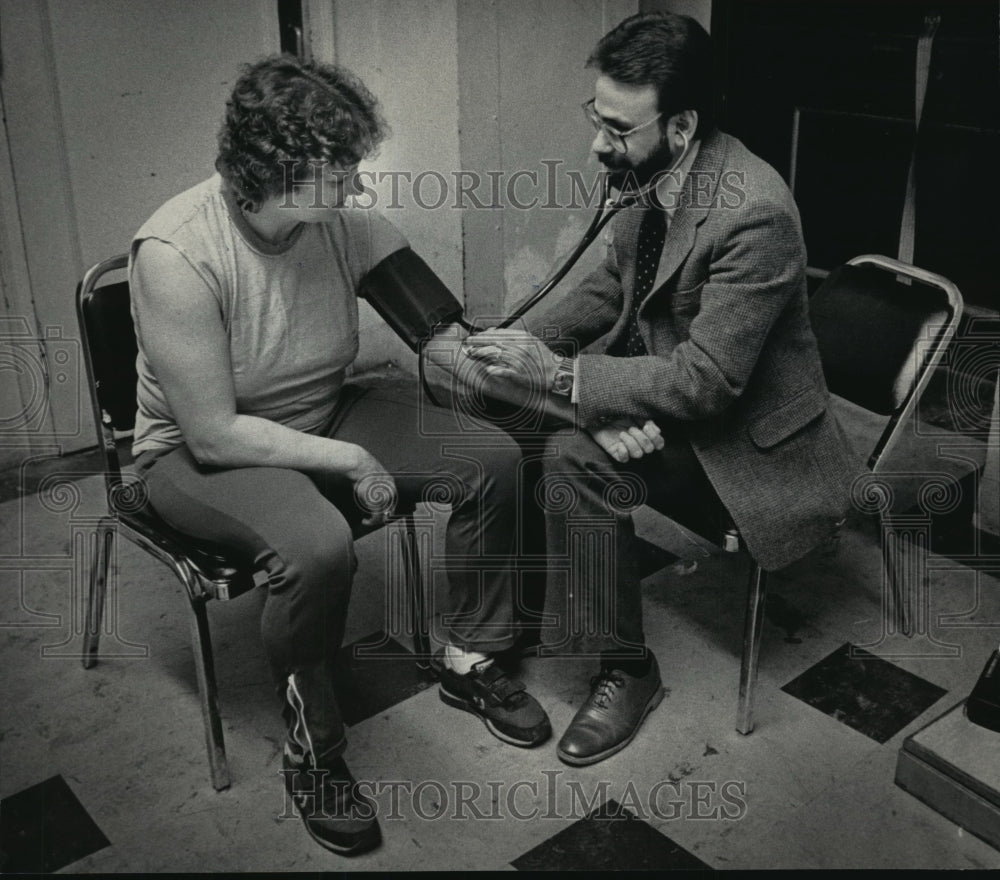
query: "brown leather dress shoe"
612, 715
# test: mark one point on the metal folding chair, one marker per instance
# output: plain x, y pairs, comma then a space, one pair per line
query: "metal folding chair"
206, 571
882, 328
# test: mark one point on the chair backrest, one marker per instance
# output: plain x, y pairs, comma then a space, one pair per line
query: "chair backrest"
882, 327
110, 349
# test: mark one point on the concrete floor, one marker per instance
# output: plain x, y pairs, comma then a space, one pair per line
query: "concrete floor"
805, 790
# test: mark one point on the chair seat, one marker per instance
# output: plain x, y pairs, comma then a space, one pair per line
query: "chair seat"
211, 562
228, 577
708, 518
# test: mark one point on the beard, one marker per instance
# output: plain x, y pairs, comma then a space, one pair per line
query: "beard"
624, 174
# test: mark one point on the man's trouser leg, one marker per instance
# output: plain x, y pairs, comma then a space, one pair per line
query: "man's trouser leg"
588, 499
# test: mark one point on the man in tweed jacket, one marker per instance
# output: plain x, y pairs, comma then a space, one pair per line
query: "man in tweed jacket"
713, 387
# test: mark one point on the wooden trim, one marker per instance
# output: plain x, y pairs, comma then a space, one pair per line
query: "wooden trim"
481, 150
318, 24
49, 234
17, 311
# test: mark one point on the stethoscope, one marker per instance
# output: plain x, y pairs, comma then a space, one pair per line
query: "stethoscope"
605, 212
608, 208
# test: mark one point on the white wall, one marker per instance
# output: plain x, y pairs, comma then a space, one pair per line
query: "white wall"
143, 89
406, 53
111, 107
521, 86
542, 84
481, 87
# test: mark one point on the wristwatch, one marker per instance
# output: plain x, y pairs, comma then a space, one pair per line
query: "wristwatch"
562, 382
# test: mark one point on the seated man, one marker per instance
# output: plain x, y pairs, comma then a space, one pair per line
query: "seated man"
711, 382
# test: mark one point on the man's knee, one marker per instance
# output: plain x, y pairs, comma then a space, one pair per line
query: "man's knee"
568, 447
577, 474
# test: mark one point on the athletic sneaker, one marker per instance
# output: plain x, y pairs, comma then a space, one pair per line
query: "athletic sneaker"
327, 800
325, 794
509, 712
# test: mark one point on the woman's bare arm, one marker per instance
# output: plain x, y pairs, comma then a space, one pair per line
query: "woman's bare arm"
186, 345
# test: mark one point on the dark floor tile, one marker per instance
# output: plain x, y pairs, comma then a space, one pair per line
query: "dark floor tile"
651, 558
44, 828
611, 838
865, 692
373, 674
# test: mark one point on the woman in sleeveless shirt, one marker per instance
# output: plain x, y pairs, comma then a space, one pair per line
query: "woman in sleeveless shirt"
245, 304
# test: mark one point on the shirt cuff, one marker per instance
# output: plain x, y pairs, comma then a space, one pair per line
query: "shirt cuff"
576, 381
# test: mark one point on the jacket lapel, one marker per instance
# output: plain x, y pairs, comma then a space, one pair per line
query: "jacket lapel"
692, 210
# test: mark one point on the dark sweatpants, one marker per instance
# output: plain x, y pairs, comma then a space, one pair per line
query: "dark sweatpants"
297, 529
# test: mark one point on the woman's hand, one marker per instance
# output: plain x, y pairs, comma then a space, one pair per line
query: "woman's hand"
374, 488
623, 440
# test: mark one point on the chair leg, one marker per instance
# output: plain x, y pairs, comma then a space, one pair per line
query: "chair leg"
208, 691
418, 603
752, 631
898, 558
97, 591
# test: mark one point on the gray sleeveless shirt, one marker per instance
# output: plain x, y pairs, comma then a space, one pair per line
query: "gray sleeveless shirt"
289, 311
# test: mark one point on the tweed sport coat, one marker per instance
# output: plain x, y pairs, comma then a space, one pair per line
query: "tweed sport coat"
733, 364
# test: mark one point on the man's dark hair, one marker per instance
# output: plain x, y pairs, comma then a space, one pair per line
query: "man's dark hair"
287, 114
671, 52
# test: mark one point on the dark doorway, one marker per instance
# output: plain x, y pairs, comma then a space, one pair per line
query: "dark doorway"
833, 84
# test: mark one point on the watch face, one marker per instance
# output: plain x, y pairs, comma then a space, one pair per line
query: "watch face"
562, 383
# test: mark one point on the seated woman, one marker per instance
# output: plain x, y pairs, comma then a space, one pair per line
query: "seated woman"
244, 299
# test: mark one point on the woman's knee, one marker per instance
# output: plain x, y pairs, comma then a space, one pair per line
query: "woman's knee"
313, 554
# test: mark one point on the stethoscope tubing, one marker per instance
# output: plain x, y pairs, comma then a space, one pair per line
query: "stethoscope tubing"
605, 211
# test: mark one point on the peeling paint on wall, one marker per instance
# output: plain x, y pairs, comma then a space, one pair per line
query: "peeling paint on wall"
528, 268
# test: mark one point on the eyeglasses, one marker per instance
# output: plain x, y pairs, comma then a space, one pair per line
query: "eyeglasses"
615, 137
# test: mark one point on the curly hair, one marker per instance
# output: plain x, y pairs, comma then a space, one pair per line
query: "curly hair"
289, 114
671, 52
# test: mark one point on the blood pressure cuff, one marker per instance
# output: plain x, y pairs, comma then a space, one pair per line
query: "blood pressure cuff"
411, 299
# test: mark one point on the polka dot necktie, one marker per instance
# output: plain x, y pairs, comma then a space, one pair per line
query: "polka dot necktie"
652, 234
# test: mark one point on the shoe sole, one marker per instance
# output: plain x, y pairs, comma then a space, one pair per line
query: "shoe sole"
362, 846
459, 703
651, 704
365, 844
